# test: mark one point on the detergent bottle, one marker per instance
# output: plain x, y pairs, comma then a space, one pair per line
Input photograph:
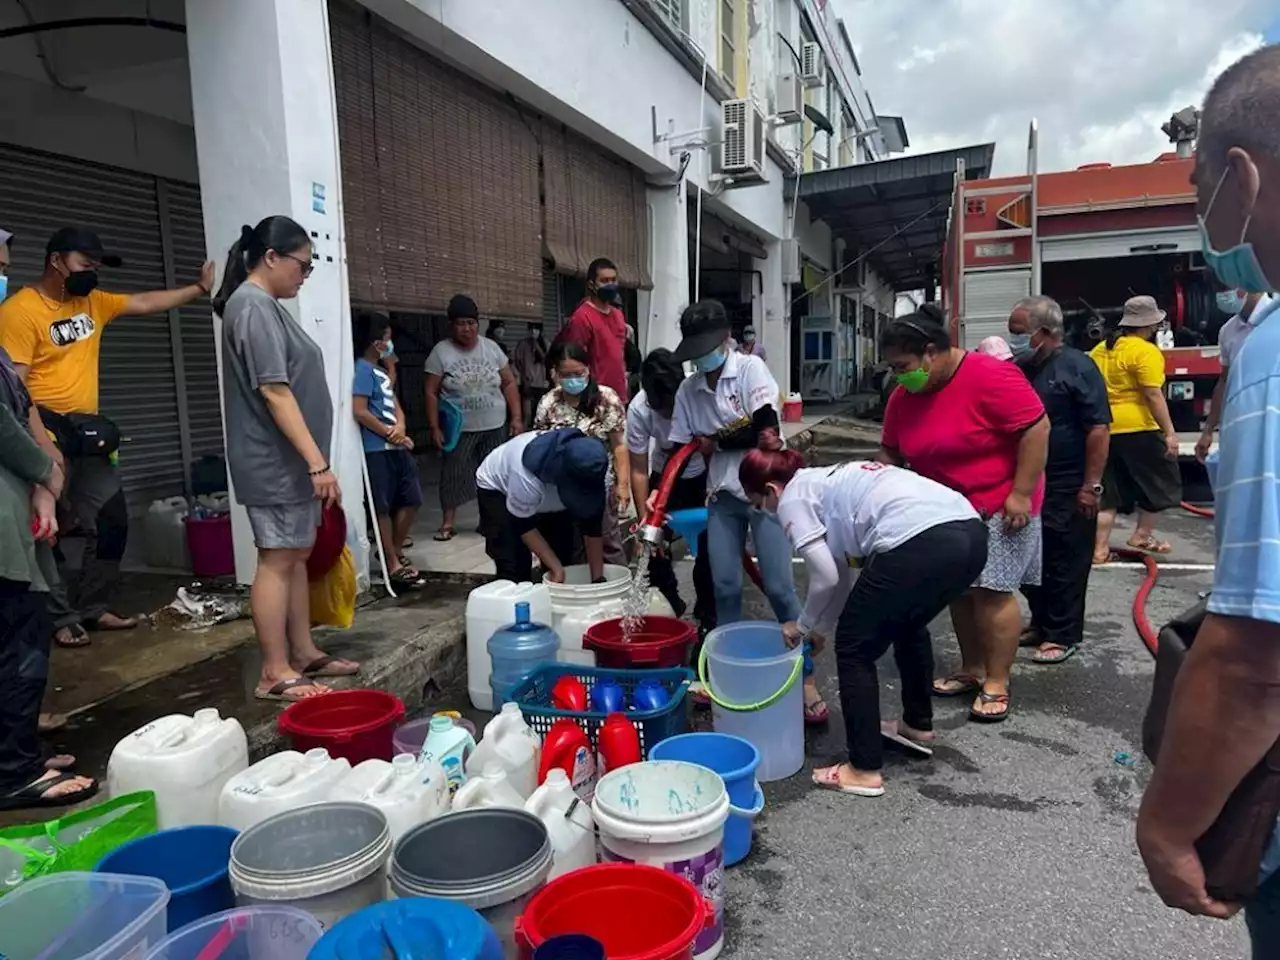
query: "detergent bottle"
449, 746
607, 696
568, 820
649, 694
509, 742
488, 789
619, 743
568, 748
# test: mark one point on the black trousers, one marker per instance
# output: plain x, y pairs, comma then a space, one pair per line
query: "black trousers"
895, 597
1057, 605
686, 493
502, 541
26, 631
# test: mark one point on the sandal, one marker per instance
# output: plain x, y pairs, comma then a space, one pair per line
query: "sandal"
816, 713
1149, 544
1049, 653
407, 578
443, 535
326, 666
965, 683
280, 691
829, 779
111, 622
36, 793
1101, 559
892, 731
984, 697
72, 637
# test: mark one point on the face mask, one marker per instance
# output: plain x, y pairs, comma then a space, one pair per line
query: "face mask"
913, 381
573, 385
712, 362
1238, 266
748, 338
535, 333
607, 292
81, 283
1230, 302
4, 286
496, 333
387, 350
1019, 343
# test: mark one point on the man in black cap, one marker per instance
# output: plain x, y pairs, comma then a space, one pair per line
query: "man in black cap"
52, 330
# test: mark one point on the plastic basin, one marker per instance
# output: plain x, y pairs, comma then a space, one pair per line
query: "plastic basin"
736, 761
355, 724
190, 861
427, 928
244, 933
83, 916
690, 525
660, 642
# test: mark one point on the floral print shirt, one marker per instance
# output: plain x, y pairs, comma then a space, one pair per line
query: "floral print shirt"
558, 409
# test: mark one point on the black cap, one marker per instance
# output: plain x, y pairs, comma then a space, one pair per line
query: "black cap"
703, 327
80, 240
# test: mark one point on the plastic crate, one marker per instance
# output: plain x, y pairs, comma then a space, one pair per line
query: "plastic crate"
533, 694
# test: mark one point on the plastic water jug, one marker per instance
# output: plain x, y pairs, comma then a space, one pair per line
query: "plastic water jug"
185, 760
448, 745
165, 534
490, 789
578, 603
278, 783
516, 649
567, 747
488, 609
618, 742
406, 790
572, 834
511, 743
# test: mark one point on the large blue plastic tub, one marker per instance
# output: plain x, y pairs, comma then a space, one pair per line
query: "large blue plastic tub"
192, 862
735, 760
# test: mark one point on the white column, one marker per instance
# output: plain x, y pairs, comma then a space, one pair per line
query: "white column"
772, 315
660, 307
267, 143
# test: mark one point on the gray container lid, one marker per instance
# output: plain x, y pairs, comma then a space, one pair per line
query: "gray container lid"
320, 836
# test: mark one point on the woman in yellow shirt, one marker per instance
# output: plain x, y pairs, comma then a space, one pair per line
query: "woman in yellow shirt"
1142, 466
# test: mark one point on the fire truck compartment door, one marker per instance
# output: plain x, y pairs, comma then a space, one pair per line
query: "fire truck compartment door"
1124, 243
988, 298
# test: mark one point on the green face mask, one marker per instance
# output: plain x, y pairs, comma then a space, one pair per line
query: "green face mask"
913, 381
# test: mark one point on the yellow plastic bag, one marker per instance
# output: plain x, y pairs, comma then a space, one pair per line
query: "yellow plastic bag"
333, 596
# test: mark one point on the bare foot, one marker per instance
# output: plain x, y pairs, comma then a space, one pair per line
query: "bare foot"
60, 785
846, 779
317, 663
60, 761
112, 621
71, 637
51, 722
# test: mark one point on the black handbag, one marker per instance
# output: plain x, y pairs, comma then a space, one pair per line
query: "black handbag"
82, 434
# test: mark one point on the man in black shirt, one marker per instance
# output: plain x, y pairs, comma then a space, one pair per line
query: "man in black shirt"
1075, 399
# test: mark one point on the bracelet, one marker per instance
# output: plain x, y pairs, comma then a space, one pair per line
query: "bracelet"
319, 473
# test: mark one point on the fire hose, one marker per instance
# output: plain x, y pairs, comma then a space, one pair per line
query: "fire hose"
650, 531
1140, 621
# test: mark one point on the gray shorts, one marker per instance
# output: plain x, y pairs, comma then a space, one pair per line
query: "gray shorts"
1012, 558
285, 526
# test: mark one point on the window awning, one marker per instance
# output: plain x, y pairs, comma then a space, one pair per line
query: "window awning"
894, 211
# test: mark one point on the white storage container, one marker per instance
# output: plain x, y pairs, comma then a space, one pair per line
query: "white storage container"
578, 604
278, 783
185, 760
407, 791
572, 834
490, 608
512, 744
490, 789
164, 534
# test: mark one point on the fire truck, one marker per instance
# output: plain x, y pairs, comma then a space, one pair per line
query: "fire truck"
1091, 238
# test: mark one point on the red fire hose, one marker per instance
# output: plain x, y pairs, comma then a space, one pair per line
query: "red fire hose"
650, 530
1140, 621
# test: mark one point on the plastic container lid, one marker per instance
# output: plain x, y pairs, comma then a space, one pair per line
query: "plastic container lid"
245, 933
82, 916
422, 927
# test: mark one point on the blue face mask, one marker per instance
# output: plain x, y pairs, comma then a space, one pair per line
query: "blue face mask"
712, 362
1019, 343
573, 385
388, 350
4, 286
1230, 302
1238, 266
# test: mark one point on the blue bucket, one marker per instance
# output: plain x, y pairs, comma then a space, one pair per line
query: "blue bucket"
419, 926
735, 760
191, 861
689, 524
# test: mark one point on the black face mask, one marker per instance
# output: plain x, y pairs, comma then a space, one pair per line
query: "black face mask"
81, 283
607, 292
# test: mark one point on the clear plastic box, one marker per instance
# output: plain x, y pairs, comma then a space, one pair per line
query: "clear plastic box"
83, 916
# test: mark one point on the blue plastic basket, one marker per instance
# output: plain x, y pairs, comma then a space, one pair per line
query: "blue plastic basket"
533, 694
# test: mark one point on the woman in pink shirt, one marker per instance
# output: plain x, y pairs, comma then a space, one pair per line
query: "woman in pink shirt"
975, 424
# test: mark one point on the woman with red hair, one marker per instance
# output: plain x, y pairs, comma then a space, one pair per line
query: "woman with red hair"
916, 546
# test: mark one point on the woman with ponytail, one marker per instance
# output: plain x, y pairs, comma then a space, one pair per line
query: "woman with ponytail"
279, 420
915, 546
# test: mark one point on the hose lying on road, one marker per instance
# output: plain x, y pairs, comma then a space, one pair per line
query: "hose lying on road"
1140, 621
1197, 510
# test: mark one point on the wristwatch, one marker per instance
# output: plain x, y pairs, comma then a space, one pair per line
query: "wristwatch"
1096, 488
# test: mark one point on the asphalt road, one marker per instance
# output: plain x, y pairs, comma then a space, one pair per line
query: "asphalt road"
1015, 841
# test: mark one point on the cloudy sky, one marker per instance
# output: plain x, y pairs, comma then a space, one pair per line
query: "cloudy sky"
1100, 76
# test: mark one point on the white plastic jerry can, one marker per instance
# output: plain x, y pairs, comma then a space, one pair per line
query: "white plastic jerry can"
278, 783
568, 820
185, 760
511, 743
490, 789
404, 790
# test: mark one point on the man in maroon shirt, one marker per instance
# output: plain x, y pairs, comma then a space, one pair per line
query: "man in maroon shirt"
601, 329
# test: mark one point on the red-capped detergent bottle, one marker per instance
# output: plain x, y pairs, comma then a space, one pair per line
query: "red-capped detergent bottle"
619, 744
567, 747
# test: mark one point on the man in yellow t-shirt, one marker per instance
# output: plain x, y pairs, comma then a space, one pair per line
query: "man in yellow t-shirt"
52, 331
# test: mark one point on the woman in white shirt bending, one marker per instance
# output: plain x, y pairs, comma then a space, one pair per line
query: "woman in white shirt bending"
915, 546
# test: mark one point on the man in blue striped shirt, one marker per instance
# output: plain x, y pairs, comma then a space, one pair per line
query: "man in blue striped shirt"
1225, 713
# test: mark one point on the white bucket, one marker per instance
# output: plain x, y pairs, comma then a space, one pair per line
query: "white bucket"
669, 814
578, 603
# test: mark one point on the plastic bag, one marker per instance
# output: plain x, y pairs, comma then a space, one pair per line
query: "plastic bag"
333, 597
74, 842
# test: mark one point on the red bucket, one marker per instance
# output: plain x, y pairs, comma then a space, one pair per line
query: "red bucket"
355, 724
636, 912
656, 642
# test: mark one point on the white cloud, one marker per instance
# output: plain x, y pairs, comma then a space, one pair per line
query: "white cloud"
1100, 76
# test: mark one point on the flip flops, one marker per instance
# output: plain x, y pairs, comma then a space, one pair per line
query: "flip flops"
978, 716
36, 794
325, 667
278, 691
1058, 654
967, 684
828, 778
890, 730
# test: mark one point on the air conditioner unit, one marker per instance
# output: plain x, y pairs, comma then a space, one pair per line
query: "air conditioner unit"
790, 99
813, 69
791, 260
742, 140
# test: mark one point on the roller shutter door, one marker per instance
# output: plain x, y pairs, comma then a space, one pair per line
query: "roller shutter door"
988, 298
